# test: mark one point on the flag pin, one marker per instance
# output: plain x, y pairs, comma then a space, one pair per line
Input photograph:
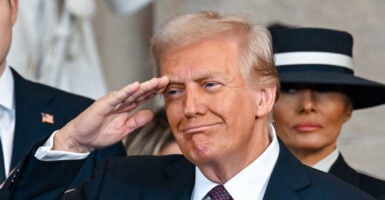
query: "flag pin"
47, 118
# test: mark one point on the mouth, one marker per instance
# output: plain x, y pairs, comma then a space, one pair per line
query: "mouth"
198, 128
307, 127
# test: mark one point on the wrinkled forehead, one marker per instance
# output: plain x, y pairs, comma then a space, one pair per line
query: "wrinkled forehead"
187, 75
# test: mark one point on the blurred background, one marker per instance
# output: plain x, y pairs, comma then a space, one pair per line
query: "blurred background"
120, 31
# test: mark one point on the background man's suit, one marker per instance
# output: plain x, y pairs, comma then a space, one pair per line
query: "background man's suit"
369, 184
33, 99
168, 177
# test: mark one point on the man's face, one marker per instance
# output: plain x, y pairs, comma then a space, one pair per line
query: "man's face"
8, 12
210, 108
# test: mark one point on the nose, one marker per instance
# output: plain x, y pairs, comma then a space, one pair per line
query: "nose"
193, 103
307, 101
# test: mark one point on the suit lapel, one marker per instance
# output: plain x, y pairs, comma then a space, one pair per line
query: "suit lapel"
181, 178
2, 169
29, 105
287, 177
343, 171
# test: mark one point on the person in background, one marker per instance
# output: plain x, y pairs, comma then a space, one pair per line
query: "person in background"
53, 43
29, 111
219, 84
319, 92
155, 138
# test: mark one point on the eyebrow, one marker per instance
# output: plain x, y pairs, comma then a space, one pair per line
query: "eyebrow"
198, 77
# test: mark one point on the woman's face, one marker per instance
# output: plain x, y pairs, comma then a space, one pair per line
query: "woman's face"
309, 117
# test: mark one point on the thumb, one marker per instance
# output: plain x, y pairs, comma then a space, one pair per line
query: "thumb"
139, 119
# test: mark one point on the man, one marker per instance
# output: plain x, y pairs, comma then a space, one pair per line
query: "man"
31, 111
53, 43
219, 84
318, 94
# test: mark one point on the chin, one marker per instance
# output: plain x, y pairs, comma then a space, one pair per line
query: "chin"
202, 158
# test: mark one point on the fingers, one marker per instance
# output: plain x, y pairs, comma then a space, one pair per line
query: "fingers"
139, 119
117, 97
147, 89
129, 97
107, 119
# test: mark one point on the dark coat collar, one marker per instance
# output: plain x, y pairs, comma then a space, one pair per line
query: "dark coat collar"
182, 174
287, 178
343, 171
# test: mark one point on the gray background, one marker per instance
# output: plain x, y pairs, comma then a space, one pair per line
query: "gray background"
123, 46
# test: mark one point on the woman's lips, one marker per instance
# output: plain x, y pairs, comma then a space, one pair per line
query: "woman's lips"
307, 127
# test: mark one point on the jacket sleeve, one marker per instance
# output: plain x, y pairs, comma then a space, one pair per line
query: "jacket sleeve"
35, 179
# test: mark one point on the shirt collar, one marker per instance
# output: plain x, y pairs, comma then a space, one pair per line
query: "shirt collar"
251, 182
7, 89
326, 163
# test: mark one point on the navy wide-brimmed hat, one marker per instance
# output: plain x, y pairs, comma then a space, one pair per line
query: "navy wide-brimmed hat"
322, 56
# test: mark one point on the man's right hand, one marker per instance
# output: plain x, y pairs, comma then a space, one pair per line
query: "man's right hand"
109, 119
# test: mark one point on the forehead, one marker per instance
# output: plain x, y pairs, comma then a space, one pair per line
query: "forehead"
199, 76
201, 59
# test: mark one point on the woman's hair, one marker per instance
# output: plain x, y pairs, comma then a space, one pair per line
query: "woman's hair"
254, 41
151, 138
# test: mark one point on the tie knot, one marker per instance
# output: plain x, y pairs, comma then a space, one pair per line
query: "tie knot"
218, 193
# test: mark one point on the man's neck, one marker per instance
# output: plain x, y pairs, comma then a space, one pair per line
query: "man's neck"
223, 169
251, 180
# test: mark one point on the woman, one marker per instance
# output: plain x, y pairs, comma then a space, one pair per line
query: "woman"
318, 95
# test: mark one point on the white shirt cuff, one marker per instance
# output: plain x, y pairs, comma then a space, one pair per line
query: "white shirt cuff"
44, 152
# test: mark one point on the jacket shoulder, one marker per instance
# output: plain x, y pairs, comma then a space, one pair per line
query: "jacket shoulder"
372, 185
327, 184
145, 170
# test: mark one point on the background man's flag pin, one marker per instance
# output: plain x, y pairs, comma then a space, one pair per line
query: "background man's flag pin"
47, 118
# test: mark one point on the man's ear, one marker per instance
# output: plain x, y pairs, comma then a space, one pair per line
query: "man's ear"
265, 100
14, 4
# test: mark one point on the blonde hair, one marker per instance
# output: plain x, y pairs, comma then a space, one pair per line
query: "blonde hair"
255, 41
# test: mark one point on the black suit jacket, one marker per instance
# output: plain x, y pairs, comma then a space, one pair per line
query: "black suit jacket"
373, 186
167, 177
31, 100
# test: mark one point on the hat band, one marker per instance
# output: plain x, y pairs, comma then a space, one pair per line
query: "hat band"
313, 58
314, 68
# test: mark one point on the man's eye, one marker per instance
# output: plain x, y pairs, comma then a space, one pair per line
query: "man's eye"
210, 84
172, 92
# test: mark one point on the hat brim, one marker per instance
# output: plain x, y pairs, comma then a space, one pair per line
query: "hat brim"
363, 93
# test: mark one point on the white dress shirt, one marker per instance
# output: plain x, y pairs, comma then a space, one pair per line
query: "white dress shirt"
326, 163
46, 154
7, 116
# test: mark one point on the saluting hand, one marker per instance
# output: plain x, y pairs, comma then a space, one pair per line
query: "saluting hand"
109, 119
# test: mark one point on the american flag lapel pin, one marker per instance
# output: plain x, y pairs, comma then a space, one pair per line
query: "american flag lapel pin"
47, 118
